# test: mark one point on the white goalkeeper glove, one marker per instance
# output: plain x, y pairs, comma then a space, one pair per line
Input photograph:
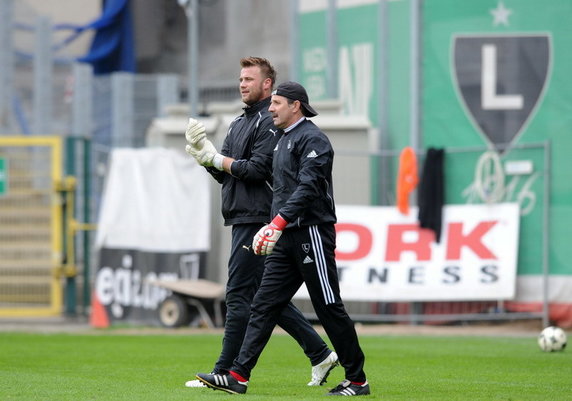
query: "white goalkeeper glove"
205, 154
195, 132
200, 147
265, 239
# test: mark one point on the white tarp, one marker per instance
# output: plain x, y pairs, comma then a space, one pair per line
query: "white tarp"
156, 200
383, 255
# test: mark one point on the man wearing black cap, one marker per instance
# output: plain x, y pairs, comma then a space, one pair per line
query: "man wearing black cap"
300, 244
244, 169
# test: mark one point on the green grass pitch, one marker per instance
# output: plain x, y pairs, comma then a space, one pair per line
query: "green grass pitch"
111, 366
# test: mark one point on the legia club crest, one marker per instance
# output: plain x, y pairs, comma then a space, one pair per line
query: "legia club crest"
501, 80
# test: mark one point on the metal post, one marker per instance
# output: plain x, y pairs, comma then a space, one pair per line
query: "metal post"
82, 104
86, 216
294, 40
192, 10
166, 92
43, 78
122, 125
332, 49
383, 165
6, 66
415, 114
70, 297
546, 237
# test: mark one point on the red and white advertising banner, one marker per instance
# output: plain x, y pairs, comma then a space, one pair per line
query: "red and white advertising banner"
383, 255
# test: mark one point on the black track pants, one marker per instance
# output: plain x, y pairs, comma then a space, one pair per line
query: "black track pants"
302, 255
244, 275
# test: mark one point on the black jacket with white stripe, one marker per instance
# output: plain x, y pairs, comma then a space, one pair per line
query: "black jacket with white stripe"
302, 177
250, 140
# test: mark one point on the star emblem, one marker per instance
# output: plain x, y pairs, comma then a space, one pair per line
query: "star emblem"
500, 14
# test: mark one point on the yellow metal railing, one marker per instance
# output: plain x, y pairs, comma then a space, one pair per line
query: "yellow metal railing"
68, 190
21, 275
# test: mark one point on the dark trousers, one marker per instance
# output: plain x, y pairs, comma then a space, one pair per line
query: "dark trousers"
302, 255
245, 271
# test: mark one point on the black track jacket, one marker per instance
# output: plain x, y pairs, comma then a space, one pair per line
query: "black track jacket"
302, 174
250, 140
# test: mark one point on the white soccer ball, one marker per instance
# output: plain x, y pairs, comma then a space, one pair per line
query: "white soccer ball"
552, 339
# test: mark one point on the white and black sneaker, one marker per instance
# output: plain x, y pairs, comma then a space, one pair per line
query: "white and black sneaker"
348, 388
195, 383
321, 371
225, 383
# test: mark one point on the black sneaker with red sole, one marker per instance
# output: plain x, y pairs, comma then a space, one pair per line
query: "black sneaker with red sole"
225, 383
347, 388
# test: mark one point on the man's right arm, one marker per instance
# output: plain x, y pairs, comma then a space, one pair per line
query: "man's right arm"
259, 166
216, 173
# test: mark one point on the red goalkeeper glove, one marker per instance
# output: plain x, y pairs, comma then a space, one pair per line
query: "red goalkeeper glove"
265, 239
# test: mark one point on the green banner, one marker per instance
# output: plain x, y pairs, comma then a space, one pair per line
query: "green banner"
358, 59
3, 177
495, 93
497, 74
356, 55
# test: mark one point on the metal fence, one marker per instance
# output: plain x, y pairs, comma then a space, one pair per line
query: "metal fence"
31, 262
27, 215
45, 95
476, 175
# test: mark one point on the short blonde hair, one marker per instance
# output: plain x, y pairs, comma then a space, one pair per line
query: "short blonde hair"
265, 67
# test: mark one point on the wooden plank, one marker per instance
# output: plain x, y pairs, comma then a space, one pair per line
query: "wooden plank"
196, 288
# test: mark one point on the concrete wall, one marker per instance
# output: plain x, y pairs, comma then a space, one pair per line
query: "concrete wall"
77, 12
228, 31
231, 30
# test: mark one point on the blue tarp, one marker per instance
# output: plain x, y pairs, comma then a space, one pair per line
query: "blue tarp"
113, 47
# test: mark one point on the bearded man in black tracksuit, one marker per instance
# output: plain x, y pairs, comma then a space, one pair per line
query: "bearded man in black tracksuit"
300, 244
244, 168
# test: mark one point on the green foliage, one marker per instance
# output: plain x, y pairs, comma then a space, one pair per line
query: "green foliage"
115, 367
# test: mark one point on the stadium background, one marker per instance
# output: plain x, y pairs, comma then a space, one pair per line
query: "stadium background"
388, 63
